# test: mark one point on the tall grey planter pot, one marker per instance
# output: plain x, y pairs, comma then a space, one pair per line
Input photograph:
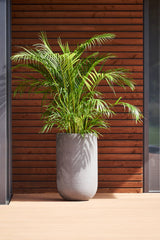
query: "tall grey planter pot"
77, 166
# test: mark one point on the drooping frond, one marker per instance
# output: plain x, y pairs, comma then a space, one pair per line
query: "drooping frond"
132, 110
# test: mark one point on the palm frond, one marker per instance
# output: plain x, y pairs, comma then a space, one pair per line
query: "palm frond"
98, 39
75, 104
133, 110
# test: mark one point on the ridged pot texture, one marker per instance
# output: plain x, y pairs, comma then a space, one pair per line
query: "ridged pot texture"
77, 167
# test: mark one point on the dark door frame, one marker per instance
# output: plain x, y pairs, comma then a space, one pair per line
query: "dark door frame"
5, 103
146, 97
147, 38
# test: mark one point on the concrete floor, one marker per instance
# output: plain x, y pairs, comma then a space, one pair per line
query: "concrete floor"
106, 217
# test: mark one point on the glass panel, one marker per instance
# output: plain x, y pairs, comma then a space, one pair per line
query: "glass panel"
154, 96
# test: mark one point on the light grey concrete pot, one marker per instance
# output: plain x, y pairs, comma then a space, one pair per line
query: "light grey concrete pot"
77, 166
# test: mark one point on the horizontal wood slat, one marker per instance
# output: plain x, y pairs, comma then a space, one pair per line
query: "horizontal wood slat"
74, 35
116, 126
36, 116
52, 156
44, 140
120, 149
136, 177
106, 95
53, 184
31, 103
52, 177
134, 75
77, 14
111, 190
77, 7
79, 21
64, 27
113, 130
52, 164
78, 2
107, 48
102, 89
22, 148
103, 84
38, 109
37, 170
74, 42
113, 123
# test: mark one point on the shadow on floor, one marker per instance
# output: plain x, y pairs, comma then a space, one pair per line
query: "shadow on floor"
37, 197
52, 197
105, 196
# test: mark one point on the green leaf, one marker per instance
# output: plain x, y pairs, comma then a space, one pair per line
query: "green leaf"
68, 81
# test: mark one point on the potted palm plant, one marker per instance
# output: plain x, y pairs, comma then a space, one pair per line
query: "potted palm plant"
74, 105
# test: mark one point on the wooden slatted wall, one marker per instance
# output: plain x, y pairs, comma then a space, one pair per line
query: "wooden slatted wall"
120, 148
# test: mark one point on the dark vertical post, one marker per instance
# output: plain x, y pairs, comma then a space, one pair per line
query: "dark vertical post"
146, 95
5, 103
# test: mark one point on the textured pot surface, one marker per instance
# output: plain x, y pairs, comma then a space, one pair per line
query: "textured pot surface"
77, 167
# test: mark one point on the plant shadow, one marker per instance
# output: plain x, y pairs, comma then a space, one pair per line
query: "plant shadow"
52, 197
